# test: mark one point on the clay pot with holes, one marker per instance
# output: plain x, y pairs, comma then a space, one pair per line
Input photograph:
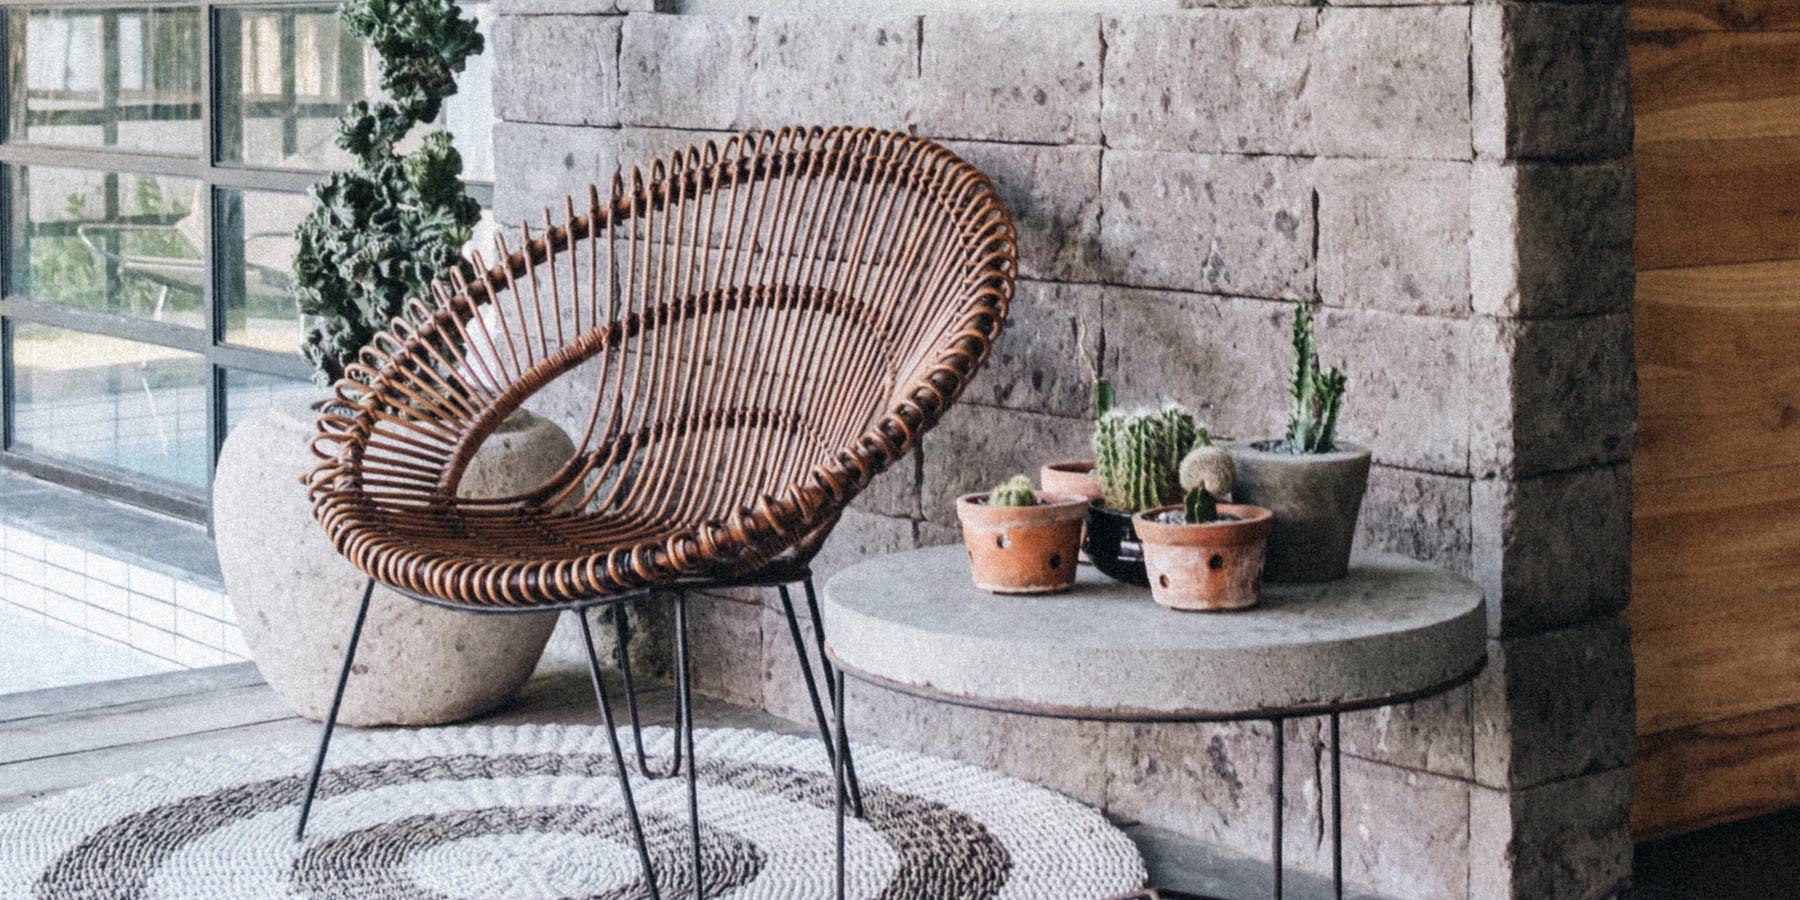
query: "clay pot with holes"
1022, 549
1210, 566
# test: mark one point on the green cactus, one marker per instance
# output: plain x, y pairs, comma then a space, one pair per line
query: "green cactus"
1201, 507
1104, 397
1014, 491
1317, 393
1138, 456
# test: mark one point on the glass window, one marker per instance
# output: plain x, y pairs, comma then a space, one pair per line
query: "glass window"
126, 77
109, 241
285, 75
111, 404
256, 245
248, 393
469, 113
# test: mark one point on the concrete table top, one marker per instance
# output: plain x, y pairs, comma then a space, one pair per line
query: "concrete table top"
1393, 629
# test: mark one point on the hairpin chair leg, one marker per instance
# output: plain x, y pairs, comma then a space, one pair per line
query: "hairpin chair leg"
834, 683
838, 769
337, 699
812, 686
618, 755
622, 650
684, 691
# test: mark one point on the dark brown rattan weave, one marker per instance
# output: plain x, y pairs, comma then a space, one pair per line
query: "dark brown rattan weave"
763, 328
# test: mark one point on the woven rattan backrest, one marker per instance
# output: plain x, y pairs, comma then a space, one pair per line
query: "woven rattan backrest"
757, 329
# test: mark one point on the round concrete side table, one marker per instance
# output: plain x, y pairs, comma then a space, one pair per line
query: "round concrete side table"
1391, 631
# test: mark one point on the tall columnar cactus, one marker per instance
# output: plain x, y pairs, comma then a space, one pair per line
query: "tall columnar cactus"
1138, 456
1103, 396
1317, 393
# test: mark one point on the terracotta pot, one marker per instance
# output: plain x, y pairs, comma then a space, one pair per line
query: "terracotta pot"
1075, 476
1316, 499
1112, 546
1022, 549
1210, 567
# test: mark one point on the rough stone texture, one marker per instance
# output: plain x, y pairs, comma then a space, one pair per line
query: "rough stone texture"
1032, 78
1551, 81
590, 7
1219, 356
1432, 735
1036, 366
725, 638
1568, 839
1053, 194
1552, 239
1212, 81
1217, 224
1553, 550
1394, 235
1399, 366
1391, 83
1420, 514
976, 447
1555, 705
1567, 396
545, 163
585, 49
769, 71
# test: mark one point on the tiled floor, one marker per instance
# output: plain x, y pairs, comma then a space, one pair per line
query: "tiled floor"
38, 654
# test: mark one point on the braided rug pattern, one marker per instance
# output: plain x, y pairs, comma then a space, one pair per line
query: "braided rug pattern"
532, 812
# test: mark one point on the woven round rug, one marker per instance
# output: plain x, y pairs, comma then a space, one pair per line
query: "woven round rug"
533, 812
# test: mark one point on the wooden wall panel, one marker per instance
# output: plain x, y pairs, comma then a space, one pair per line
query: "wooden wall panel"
1715, 605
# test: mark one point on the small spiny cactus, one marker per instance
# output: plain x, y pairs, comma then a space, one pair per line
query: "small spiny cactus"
1317, 394
1200, 507
1138, 456
1014, 491
1209, 467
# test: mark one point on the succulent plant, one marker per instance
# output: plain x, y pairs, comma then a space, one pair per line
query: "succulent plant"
1014, 491
1318, 394
1208, 467
380, 233
1103, 395
1200, 507
1138, 456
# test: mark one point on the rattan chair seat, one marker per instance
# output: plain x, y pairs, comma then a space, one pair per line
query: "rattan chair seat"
763, 327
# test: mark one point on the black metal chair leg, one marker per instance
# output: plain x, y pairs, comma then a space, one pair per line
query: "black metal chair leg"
812, 685
1277, 790
337, 700
838, 770
834, 683
618, 755
622, 651
684, 690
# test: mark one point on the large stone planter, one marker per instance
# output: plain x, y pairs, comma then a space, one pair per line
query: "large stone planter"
1316, 499
295, 597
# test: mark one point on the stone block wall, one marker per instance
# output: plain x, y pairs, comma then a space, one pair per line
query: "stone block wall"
1445, 180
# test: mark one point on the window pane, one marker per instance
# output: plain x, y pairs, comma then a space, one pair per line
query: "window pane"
469, 113
285, 75
109, 241
126, 77
135, 409
248, 393
255, 263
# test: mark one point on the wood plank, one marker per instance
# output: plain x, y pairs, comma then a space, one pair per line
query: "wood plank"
98, 695
1719, 381
1715, 15
1715, 608
1715, 85
1715, 773
1710, 201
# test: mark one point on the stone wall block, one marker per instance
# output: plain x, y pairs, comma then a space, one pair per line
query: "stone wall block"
1419, 514
1053, 194
1551, 81
1553, 550
586, 54
1029, 78
731, 73
1552, 394
546, 163
1391, 83
1210, 81
1394, 235
576, 7
1555, 705
976, 447
1408, 395
725, 640
1553, 239
1432, 735
1222, 357
1567, 839
1236, 225
1035, 365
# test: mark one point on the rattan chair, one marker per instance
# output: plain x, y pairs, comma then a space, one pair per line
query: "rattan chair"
762, 327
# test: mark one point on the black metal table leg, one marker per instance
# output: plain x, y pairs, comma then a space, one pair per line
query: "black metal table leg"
337, 700
1278, 790
612, 737
1337, 814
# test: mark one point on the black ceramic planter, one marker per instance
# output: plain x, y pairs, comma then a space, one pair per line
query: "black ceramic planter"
1112, 544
